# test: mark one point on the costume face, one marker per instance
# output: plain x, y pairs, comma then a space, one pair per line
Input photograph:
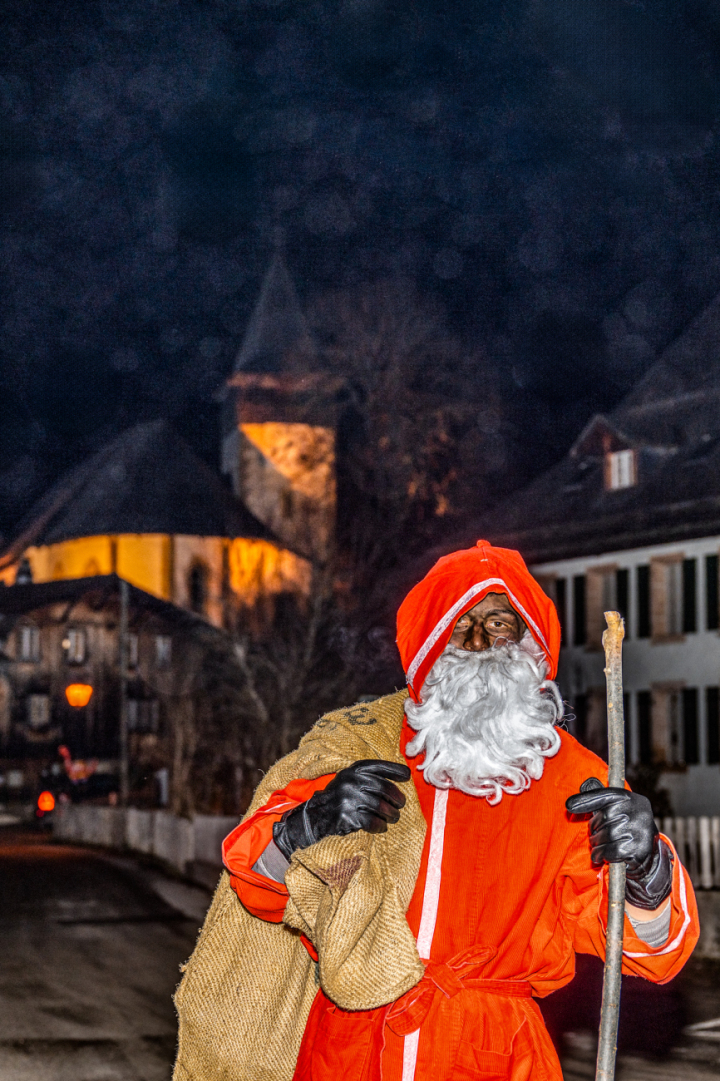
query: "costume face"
486, 719
492, 620
495, 579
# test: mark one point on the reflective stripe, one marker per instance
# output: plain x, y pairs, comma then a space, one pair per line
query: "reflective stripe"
431, 895
410, 1050
428, 919
683, 904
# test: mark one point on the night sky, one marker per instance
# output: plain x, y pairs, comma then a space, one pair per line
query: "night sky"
548, 171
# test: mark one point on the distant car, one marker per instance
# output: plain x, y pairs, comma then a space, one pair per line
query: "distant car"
72, 781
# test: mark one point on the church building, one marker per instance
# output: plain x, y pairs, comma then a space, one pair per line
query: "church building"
279, 423
203, 554
147, 508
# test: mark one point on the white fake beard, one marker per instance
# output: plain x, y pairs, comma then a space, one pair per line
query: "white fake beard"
486, 721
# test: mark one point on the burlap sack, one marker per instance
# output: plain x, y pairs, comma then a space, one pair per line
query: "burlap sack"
248, 987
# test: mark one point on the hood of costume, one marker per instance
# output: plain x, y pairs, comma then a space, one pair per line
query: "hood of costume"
456, 584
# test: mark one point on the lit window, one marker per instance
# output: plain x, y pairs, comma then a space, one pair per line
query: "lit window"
29, 644
608, 589
667, 721
620, 469
38, 710
143, 715
163, 650
74, 646
674, 598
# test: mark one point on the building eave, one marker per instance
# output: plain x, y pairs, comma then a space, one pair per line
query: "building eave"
672, 523
17, 600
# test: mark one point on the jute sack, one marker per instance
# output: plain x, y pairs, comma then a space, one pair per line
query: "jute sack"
247, 990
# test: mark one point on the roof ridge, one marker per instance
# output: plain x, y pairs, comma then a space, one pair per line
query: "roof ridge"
692, 338
147, 479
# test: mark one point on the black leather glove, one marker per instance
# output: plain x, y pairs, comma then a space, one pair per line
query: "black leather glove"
361, 797
622, 829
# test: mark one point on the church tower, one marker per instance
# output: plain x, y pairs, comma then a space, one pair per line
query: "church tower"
279, 422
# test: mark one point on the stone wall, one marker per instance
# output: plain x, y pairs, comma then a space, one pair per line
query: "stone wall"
192, 847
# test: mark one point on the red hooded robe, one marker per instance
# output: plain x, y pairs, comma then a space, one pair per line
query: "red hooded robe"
505, 897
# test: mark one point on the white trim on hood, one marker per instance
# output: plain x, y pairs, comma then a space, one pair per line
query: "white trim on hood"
453, 612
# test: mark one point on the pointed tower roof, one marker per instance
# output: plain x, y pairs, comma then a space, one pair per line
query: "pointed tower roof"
147, 480
277, 331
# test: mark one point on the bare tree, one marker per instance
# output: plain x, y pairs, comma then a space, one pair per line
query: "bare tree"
416, 447
184, 746
303, 666
425, 427
246, 699
178, 690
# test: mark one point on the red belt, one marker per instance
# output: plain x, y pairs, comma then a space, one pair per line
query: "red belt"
458, 974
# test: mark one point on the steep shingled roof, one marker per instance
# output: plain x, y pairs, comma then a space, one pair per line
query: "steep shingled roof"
101, 589
148, 480
672, 420
277, 331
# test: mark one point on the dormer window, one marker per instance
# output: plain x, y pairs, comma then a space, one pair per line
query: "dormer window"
620, 469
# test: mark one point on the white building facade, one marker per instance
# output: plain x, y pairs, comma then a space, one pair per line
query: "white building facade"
668, 594
629, 520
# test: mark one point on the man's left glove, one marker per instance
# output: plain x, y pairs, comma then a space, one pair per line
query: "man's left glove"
622, 829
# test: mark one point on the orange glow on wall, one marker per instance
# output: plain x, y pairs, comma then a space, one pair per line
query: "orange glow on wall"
141, 558
287, 479
78, 694
304, 454
70, 559
258, 568
46, 801
160, 565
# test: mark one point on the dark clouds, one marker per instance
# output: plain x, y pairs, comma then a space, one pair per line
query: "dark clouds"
549, 169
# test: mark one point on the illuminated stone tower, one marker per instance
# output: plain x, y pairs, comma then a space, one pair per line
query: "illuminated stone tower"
279, 422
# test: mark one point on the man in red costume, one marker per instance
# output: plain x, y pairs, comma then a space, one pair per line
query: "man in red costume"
512, 880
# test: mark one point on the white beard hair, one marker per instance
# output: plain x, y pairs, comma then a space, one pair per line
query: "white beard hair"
486, 720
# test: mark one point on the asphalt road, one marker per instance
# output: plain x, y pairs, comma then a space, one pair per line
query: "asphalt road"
89, 960
90, 949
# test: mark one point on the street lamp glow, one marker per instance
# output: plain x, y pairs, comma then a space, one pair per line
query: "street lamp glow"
78, 694
46, 802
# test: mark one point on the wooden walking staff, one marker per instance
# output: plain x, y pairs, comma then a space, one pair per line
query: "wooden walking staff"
610, 1012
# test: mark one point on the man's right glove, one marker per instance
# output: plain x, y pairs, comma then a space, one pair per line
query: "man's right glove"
361, 797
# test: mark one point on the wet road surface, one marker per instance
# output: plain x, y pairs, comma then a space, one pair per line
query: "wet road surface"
89, 960
90, 949
656, 1038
